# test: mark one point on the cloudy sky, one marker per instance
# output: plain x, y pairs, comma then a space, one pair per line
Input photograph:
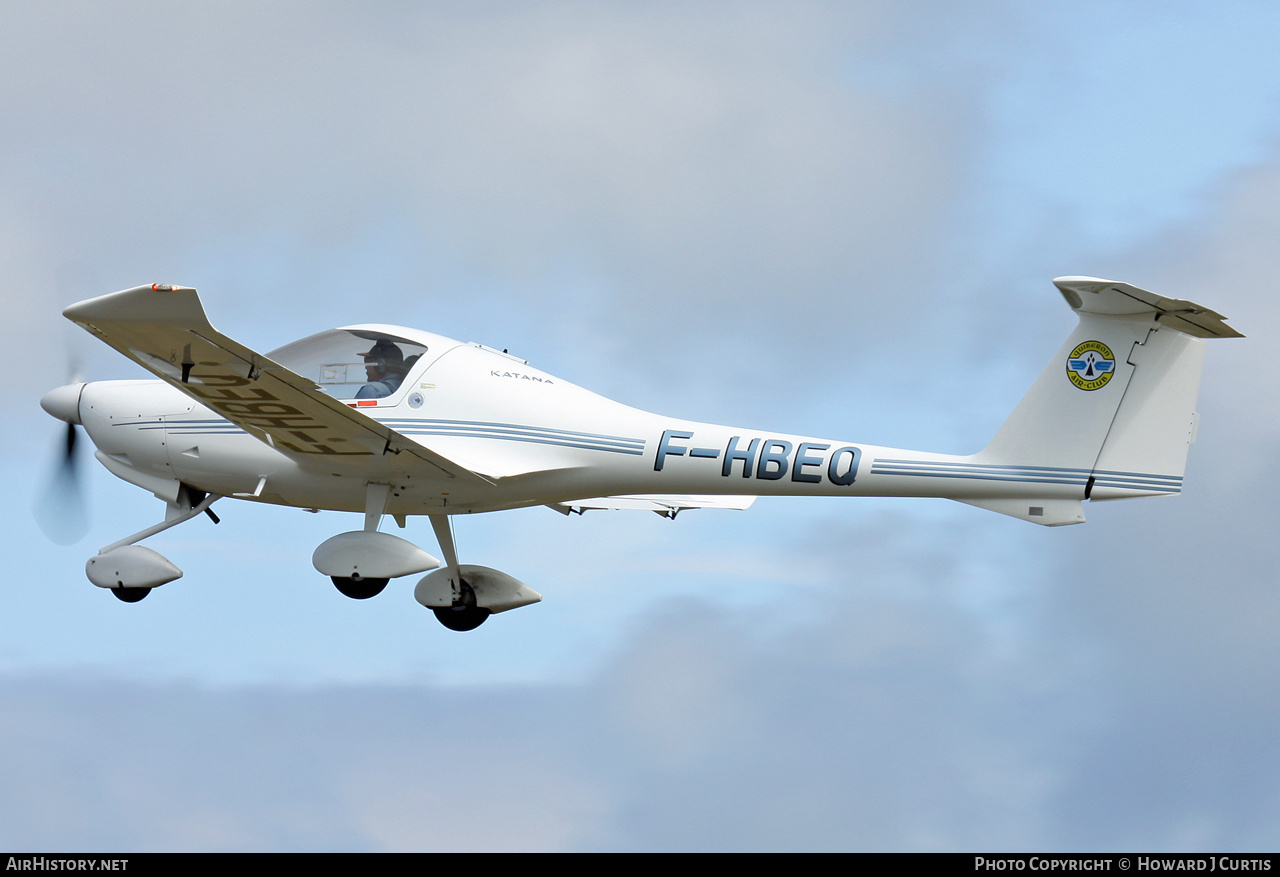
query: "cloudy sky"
823, 218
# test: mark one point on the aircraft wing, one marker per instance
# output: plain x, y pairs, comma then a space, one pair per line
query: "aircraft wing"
164, 329
663, 504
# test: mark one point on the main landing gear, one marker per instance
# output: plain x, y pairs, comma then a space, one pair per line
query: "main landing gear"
359, 589
461, 596
361, 562
463, 613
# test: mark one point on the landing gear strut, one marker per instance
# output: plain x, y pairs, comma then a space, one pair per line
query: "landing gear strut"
464, 614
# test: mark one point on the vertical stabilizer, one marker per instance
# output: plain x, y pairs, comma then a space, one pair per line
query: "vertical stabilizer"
1114, 411
1064, 418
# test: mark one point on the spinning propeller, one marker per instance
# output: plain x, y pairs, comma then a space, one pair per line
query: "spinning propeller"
60, 509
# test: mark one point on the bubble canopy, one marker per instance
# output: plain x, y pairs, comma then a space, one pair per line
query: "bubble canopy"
352, 363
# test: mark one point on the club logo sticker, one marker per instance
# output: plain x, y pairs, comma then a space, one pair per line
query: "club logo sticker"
1091, 365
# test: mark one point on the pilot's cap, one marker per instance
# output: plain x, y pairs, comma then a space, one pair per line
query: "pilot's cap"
385, 352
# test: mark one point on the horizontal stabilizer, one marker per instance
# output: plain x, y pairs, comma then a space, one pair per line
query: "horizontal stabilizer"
1092, 295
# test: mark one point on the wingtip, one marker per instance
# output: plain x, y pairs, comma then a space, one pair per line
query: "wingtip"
155, 302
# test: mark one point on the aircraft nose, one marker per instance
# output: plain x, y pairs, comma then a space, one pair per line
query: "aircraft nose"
64, 402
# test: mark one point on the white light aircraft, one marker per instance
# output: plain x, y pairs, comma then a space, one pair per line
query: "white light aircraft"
392, 421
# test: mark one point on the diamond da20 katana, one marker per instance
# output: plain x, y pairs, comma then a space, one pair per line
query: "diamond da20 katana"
390, 421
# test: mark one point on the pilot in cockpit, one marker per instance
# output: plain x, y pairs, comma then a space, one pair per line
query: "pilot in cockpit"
385, 368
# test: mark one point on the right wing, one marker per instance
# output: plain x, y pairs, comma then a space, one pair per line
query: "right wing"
164, 329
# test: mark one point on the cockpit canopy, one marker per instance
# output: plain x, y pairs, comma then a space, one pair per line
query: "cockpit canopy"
352, 363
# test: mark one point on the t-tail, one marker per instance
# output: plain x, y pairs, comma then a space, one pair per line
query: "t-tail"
1113, 414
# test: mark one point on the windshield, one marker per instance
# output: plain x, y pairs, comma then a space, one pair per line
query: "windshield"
351, 364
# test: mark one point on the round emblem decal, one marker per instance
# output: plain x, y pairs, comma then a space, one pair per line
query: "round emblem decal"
1091, 365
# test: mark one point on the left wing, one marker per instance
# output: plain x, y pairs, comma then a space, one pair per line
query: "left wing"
164, 329
663, 504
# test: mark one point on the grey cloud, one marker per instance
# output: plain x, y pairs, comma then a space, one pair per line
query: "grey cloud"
889, 724
697, 740
710, 163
